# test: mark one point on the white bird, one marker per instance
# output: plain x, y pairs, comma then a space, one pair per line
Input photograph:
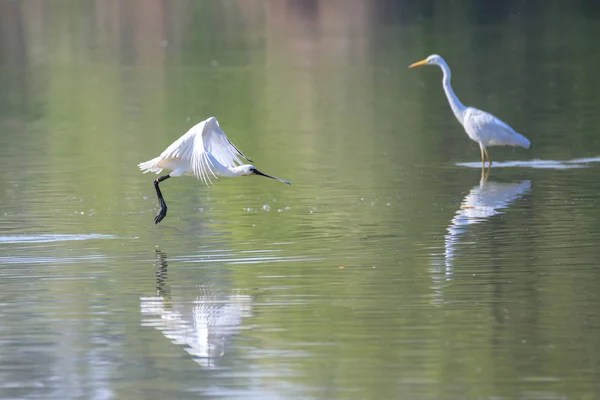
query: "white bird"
202, 151
481, 126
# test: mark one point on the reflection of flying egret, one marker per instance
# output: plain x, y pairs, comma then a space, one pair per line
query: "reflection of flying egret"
203, 151
481, 126
482, 202
201, 323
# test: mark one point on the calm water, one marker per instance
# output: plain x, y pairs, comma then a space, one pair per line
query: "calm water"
387, 270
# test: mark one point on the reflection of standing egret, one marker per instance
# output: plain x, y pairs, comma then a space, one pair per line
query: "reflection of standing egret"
482, 127
202, 151
482, 202
202, 323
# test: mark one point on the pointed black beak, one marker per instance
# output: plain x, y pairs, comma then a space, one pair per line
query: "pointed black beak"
257, 172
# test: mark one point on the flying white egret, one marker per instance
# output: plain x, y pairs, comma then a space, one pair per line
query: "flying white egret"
202, 151
481, 126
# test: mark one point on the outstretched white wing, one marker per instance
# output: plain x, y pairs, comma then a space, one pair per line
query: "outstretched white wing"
491, 130
205, 149
216, 143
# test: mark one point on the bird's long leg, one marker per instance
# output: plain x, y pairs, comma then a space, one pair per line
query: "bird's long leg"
482, 157
161, 201
488, 157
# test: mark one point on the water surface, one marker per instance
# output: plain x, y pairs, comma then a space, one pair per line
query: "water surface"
388, 269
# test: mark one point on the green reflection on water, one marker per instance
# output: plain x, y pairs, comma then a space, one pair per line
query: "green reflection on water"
324, 99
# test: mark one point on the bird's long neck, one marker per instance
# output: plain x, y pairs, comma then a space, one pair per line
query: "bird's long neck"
236, 171
458, 108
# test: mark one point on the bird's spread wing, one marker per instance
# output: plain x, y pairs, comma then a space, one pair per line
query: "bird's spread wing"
216, 143
491, 130
205, 149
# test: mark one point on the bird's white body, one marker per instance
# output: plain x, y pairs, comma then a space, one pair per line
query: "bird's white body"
204, 152
480, 126
488, 130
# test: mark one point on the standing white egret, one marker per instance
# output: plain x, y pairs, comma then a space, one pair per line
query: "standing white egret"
482, 127
202, 151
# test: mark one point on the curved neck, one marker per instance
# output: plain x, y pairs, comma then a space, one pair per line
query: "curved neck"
458, 108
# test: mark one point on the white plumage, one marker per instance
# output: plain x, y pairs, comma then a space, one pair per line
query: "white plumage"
204, 152
490, 130
482, 127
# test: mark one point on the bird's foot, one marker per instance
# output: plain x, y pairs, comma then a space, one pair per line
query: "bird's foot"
161, 214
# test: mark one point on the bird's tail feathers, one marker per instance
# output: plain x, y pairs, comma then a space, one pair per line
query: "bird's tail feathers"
522, 141
150, 166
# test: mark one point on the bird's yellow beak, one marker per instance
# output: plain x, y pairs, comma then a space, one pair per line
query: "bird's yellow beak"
418, 63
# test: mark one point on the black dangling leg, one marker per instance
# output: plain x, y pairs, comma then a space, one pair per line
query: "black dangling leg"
161, 201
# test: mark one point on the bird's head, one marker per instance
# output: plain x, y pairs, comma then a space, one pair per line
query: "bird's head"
248, 169
433, 59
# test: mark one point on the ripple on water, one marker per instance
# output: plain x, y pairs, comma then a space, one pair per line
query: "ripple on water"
539, 164
47, 238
